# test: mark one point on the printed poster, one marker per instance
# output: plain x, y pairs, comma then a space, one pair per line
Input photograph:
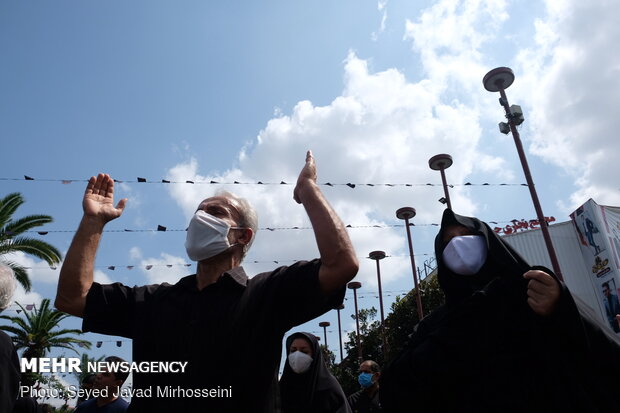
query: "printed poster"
598, 228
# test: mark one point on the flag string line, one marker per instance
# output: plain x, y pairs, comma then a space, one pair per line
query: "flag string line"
151, 266
282, 182
162, 228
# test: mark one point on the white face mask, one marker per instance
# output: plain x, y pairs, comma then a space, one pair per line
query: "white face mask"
465, 255
207, 236
299, 362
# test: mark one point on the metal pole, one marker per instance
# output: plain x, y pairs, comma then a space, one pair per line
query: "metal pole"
324, 324
440, 163
340, 330
415, 275
354, 285
544, 226
377, 256
445, 187
497, 80
406, 213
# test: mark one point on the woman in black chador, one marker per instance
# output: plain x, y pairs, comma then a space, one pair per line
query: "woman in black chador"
509, 338
306, 384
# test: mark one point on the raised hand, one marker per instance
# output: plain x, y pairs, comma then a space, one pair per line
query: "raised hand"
543, 292
99, 199
307, 178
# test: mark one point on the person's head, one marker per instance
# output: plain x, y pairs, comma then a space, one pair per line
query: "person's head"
455, 230
470, 255
301, 344
7, 286
302, 349
88, 381
465, 251
235, 219
87, 385
369, 373
606, 289
109, 379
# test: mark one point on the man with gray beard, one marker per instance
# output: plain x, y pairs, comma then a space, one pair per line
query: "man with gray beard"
227, 326
9, 363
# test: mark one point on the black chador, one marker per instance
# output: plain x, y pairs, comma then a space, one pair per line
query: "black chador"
486, 350
314, 391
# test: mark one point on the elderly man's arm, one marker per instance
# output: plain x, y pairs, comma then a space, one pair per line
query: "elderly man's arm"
338, 261
76, 274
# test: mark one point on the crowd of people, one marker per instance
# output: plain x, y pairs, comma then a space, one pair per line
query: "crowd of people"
510, 337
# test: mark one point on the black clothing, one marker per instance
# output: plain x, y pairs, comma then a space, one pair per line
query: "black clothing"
230, 333
9, 373
90, 406
485, 350
27, 405
361, 402
316, 390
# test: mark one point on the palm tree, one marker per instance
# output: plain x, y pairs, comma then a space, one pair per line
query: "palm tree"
34, 334
84, 360
11, 239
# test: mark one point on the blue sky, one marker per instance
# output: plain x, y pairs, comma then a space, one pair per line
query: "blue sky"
239, 90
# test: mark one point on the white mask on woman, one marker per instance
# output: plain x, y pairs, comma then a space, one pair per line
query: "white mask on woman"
207, 236
299, 362
466, 254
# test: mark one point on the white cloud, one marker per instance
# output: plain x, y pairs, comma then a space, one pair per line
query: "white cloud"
449, 36
495, 166
25, 298
135, 253
158, 270
102, 278
382, 7
382, 129
134, 202
571, 78
38, 270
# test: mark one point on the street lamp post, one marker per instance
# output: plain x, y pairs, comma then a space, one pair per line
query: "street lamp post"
377, 256
354, 285
324, 324
406, 213
340, 307
497, 80
440, 163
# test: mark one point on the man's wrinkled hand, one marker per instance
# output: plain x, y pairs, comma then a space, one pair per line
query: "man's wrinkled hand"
543, 292
307, 178
98, 200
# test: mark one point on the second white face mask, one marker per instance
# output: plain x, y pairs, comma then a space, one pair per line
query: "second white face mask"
299, 362
465, 255
207, 236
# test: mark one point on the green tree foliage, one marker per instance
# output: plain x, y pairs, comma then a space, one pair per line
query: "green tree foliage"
404, 314
37, 334
13, 240
328, 356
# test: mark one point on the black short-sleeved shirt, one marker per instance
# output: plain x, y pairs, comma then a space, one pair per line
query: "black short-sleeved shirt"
361, 402
90, 406
230, 333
